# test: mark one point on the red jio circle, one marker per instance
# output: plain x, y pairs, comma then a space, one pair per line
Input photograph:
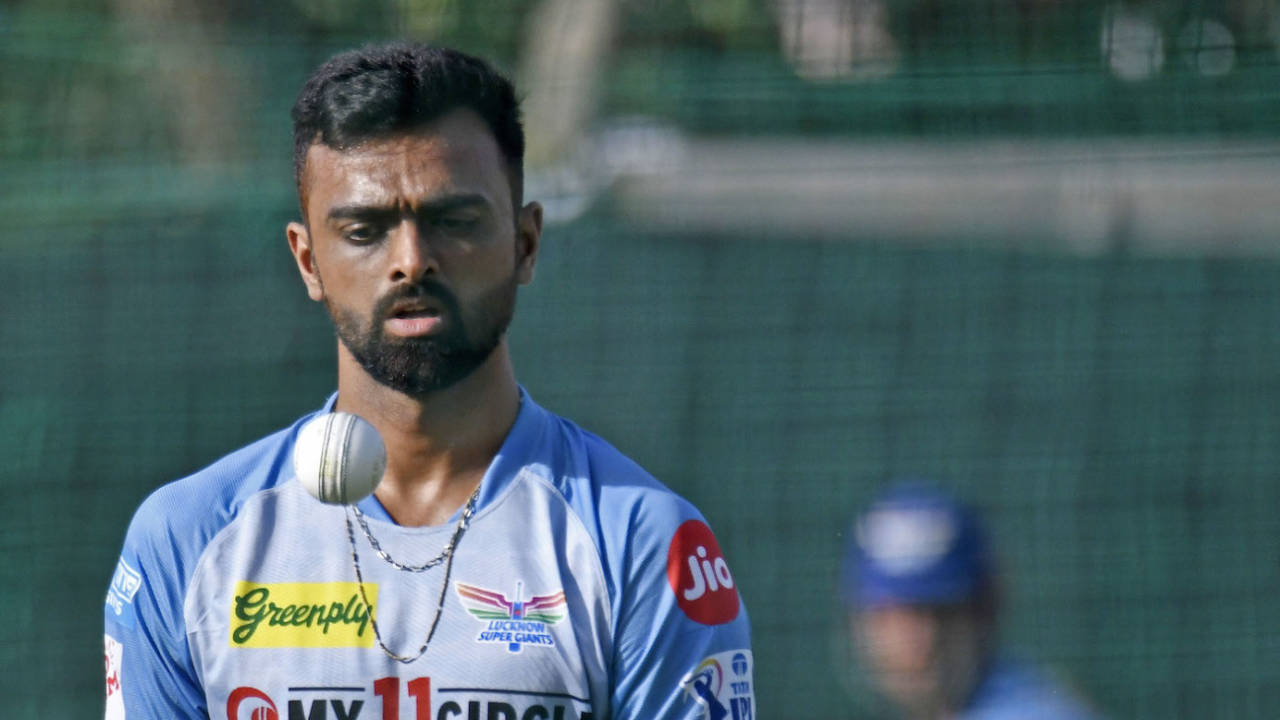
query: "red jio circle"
699, 575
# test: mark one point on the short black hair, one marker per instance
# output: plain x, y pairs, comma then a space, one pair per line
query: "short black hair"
382, 90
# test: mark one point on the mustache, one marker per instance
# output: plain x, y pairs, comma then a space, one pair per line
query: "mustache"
417, 291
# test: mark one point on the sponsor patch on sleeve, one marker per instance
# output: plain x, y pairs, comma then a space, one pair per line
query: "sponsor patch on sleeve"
721, 685
113, 654
125, 583
699, 575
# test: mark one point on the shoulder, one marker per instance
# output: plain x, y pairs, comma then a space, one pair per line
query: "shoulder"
209, 498
1012, 688
607, 487
679, 627
174, 524
145, 616
652, 541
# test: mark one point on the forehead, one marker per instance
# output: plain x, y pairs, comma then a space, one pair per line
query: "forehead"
454, 154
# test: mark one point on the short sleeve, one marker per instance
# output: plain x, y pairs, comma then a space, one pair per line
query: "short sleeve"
150, 674
683, 642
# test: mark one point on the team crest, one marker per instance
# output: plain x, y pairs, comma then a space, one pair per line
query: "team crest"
515, 622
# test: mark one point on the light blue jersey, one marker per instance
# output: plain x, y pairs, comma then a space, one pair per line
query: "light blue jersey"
1015, 691
583, 588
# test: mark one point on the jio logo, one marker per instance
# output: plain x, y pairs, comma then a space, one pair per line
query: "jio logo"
699, 575
708, 575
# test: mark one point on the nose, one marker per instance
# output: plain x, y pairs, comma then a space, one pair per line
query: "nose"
412, 256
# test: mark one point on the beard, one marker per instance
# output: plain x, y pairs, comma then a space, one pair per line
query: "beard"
419, 366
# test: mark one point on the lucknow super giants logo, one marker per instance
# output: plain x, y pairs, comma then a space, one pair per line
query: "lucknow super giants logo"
514, 621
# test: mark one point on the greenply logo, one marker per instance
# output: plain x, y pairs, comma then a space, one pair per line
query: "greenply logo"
301, 615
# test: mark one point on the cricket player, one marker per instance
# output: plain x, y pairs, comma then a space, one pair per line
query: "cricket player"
922, 598
510, 565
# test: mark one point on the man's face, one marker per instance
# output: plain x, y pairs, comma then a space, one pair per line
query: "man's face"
925, 659
414, 247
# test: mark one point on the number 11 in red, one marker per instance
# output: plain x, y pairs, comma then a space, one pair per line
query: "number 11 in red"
388, 689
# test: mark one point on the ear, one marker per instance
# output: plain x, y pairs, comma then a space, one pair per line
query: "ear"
528, 235
304, 256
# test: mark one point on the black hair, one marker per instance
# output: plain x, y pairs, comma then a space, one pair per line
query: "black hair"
383, 90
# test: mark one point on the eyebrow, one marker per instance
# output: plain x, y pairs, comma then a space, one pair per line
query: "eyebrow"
434, 206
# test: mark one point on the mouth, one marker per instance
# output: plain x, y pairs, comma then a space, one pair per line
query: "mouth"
415, 307
415, 313
413, 320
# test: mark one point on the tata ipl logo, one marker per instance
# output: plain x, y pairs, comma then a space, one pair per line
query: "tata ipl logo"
723, 696
516, 622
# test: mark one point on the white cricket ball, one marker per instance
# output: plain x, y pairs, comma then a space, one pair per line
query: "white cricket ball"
339, 458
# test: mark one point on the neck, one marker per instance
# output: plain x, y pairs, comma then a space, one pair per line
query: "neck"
439, 445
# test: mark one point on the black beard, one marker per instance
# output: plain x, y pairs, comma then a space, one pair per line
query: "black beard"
419, 366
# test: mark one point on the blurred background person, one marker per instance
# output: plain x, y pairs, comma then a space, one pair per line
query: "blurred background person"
923, 607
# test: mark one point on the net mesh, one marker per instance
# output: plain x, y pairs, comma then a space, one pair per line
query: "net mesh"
1112, 414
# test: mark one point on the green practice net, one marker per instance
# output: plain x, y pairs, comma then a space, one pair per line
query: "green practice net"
1113, 412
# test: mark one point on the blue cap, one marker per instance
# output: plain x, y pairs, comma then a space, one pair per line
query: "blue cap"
916, 545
